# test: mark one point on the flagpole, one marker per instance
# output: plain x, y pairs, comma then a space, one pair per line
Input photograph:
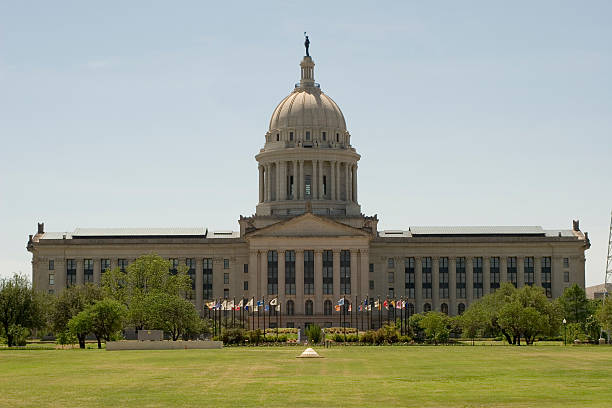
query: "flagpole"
264, 315
233, 311
253, 313
258, 326
344, 312
379, 314
401, 317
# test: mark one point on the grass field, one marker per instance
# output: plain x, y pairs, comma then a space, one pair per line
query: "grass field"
454, 376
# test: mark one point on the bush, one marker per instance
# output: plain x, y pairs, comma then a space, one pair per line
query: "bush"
65, 338
232, 336
20, 335
313, 333
254, 336
405, 339
369, 337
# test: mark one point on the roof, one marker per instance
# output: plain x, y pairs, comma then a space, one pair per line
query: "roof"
477, 230
87, 233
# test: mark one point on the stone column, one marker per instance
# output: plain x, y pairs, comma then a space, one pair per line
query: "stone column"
315, 182
364, 274
299, 282
346, 182
354, 274
503, 269
80, 272
277, 184
97, 277
301, 184
318, 282
452, 286
435, 284
520, 271
355, 183
199, 281
556, 276
336, 274
320, 174
486, 275
281, 278
537, 271
418, 285
332, 166
60, 275
261, 183
295, 180
469, 279
253, 267
267, 181
263, 274
338, 185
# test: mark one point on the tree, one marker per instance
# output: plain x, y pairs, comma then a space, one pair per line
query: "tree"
69, 303
173, 314
106, 318
20, 307
473, 320
604, 315
436, 326
575, 305
80, 326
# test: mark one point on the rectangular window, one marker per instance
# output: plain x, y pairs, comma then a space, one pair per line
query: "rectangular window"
226, 278
290, 273
566, 262
51, 291
104, 265
478, 277
70, 272
291, 136
566, 276
245, 268
88, 267
409, 276
51, 264
390, 277
371, 268
443, 274
207, 282
324, 136
426, 272
371, 285
307, 135
191, 271
345, 272
226, 264
272, 273
529, 270
461, 277
391, 294
390, 263
324, 185
174, 263
245, 285
122, 264
495, 275
512, 271
308, 183
309, 272
547, 275
51, 279
328, 272
225, 293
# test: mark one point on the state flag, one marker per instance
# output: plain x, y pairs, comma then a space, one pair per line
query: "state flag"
274, 302
337, 308
350, 308
340, 302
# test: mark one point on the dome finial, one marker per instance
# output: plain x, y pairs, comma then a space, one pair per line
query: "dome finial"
306, 44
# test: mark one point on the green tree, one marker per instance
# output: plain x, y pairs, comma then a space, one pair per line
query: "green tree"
106, 318
313, 333
69, 303
80, 326
575, 305
173, 314
473, 320
20, 307
604, 315
436, 326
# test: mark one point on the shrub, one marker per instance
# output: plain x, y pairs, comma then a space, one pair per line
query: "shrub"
19, 335
369, 337
337, 337
232, 336
313, 333
254, 336
405, 339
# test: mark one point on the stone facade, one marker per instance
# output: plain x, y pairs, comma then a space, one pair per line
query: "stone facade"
308, 243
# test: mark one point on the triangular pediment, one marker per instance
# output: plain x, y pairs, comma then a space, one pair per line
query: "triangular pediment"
308, 225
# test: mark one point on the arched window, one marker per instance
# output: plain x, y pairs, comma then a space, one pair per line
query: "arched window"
444, 308
460, 308
410, 309
290, 308
327, 307
426, 307
308, 308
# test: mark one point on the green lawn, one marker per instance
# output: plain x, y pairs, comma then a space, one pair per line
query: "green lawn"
457, 376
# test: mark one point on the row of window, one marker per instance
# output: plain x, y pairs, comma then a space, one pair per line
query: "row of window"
391, 261
307, 136
88, 264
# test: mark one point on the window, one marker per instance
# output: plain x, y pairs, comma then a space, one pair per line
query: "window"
391, 293
546, 276
390, 263
207, 283
460, 308
226, 278
327, 307
324, 185
70, 272
191, 271
277, 137
307, 184
51, 279
122, 264
345, 272
308, 308
51, 264
390, 277
226, 264
225, 293
371, 285
443, 275
324, 136
409, 309
409, 276
88, 270
290, 308
104, 265
51, 291
529, 271
512, 271
371, 268
478, 278
174, 262
566, 262
426, 307
460, 271
272, 272
494, 273
307, 135
290, 188
245, 268
245, 285
309, 272
290, 325
290, 273
337, 137
426, 269
444, 308
566, 276
328, 272
291, 136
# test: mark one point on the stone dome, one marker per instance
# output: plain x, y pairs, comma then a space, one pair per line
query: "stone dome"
307, 108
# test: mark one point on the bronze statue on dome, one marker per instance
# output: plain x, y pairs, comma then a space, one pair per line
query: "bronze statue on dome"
306, 44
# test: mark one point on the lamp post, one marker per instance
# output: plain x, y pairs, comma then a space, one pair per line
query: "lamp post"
564, 332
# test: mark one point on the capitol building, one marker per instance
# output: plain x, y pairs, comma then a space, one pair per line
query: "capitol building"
308, 243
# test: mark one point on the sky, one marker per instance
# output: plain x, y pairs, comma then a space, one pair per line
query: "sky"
136, 114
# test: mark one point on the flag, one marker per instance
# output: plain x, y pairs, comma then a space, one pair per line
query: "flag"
360, 308
393, 303
350, 308
210, 305
274, 302
241, 303
337, 308
340, 302
377, 304
386, 304
267, 308
365, 302
259, 303
369, 308
398, 305
249, 304
230, 305
277, 308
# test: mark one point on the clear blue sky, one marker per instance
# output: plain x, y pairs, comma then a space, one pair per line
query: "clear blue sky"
149, 113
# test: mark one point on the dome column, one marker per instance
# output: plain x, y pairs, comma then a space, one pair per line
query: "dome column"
300, 194
314, 181
294, 195
346, 181
268, 184
283, 180
332, 191
261, 183
355, 183
320, 195
337, 192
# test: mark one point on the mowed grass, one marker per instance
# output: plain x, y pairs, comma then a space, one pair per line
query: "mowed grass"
455, 376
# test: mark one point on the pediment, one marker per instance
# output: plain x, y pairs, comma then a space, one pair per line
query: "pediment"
308, 225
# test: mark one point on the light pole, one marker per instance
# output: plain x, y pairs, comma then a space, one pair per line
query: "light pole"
564, 332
